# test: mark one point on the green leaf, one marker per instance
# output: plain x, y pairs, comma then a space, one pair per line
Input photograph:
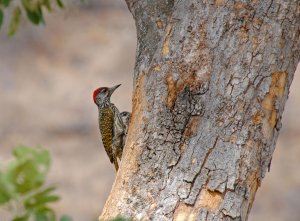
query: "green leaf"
5, 190
38, 155
31, 5
15, 21
1, 17
65, 218
33, 16
34, 11
21, 218
45, 214
29, 170
6, 2
42, 20
60, 3
41, 198
47, 3
25, 176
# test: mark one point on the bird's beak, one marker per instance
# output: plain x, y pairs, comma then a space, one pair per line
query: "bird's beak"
112, 89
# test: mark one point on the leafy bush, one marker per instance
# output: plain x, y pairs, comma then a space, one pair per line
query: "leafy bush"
32, 8
22, 186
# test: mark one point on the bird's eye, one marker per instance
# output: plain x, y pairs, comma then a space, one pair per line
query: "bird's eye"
104, 90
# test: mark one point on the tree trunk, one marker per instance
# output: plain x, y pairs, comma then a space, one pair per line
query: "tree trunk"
211, 81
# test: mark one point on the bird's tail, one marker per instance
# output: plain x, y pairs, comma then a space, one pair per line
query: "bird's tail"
116, 163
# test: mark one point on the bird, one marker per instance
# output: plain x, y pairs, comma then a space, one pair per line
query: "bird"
112, 127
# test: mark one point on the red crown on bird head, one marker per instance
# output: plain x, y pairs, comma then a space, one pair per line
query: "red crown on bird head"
97, 91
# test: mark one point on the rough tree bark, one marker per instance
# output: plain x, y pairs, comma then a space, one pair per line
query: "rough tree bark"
211, 81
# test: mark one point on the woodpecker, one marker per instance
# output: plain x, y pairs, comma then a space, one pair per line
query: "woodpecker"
112, 128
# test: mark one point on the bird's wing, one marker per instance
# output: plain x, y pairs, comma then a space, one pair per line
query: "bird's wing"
119, 130
106, 121
118, 123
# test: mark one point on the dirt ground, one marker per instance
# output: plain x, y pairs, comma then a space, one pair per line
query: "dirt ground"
47, 75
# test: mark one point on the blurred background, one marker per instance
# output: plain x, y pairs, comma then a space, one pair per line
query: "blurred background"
47, 76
